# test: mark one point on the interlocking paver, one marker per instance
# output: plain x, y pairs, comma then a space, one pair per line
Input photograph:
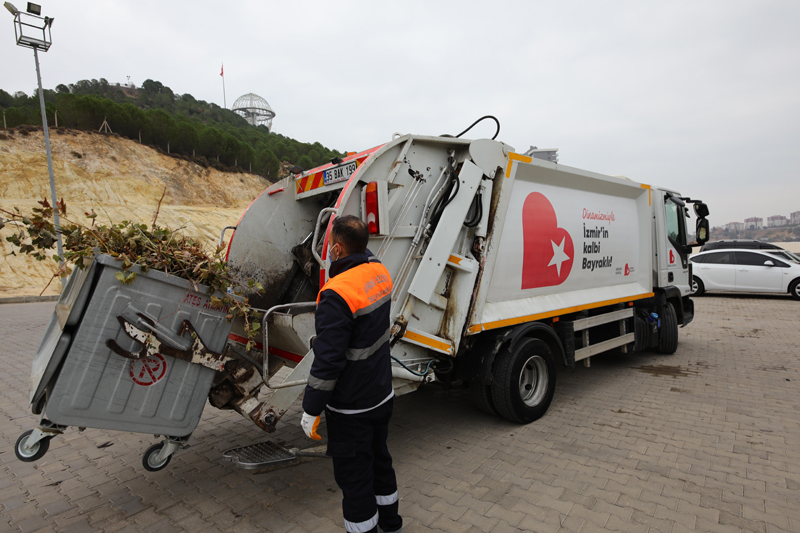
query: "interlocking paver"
421, 515
479, 520
714, 448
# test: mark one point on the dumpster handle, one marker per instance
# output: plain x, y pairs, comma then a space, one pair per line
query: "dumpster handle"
222, 235
265, 329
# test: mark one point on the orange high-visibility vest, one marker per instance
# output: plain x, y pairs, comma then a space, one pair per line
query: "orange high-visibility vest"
361, 287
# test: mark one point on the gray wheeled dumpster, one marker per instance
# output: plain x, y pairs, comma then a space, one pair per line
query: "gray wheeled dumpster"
139, 357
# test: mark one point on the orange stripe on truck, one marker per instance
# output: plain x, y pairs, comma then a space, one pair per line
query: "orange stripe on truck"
427, 341
649, 193
477, 328
515, 157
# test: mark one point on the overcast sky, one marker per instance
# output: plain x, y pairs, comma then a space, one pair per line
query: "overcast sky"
703, 97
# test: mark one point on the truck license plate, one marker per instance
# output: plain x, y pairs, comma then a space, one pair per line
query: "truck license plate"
340, 173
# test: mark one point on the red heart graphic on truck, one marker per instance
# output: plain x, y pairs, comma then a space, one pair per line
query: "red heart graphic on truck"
548, 252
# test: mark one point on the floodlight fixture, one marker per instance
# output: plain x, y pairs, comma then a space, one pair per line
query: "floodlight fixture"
33, 31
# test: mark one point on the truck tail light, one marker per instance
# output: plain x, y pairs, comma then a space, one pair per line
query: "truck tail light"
371, 201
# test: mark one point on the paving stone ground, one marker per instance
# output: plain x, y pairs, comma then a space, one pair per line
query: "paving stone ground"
705, 440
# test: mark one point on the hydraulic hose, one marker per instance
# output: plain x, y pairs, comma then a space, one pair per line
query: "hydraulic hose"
477, 207
447, 197
427, 368
479, 120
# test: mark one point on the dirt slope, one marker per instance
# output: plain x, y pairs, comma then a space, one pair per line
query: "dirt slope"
121, 180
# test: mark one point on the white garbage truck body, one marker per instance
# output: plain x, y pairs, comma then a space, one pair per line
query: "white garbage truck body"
503, 266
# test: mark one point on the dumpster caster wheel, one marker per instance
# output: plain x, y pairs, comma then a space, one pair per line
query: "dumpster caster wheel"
36, 452
150, 458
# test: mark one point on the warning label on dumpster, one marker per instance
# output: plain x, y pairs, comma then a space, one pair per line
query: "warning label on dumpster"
149, 371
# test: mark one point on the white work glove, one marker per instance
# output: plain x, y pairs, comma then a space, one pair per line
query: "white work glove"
309, 424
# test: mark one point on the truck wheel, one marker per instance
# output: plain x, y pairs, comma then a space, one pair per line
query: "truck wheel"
37, 452
149, 458
697, 286
482, 396
794, 289
525, 381
668, 333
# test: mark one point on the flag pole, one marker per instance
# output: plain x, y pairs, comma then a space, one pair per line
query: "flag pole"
222, 73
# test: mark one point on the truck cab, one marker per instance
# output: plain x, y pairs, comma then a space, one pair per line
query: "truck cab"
672, 270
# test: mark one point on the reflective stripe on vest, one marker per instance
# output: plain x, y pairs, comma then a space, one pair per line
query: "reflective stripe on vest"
356, 354
364, 288
321, 384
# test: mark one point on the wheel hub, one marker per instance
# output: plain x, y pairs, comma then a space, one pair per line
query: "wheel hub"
152, 460
26, 451
533, 381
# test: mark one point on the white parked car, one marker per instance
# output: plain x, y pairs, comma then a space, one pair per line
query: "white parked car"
744, 271
784, 254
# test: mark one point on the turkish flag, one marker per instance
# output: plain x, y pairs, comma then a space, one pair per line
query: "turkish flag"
222, 70
548, 252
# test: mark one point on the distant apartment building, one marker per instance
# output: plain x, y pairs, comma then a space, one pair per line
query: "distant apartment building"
734, 226
754, 223
794, 218
777, 220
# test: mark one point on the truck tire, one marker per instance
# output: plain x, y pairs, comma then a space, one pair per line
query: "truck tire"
524, 381
668, 332
697, 286
482, 397
794, 289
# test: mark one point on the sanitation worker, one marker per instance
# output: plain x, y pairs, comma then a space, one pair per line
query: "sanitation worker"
351, 379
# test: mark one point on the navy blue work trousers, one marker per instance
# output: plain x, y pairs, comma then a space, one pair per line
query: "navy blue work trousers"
363, 469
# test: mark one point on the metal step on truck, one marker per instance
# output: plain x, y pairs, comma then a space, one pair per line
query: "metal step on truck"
503, 267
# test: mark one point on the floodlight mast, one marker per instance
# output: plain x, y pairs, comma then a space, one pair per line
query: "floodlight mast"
34, 23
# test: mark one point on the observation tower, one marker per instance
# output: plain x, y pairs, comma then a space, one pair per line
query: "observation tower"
255, 110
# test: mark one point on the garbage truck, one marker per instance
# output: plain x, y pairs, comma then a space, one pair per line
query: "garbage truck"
503, 266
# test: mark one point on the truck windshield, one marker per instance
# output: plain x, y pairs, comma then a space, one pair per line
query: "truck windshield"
676, 224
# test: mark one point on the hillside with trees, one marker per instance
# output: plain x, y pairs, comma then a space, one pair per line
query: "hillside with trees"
118, 180
779, 234
177, 124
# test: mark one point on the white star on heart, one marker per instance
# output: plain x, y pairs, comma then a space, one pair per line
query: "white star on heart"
559, 256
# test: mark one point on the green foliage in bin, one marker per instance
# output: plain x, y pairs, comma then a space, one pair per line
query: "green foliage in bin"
132, 244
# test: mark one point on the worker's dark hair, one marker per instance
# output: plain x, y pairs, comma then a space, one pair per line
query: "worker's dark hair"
352, 233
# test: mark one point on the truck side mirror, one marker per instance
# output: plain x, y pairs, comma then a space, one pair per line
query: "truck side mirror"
701, 210
702, 229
